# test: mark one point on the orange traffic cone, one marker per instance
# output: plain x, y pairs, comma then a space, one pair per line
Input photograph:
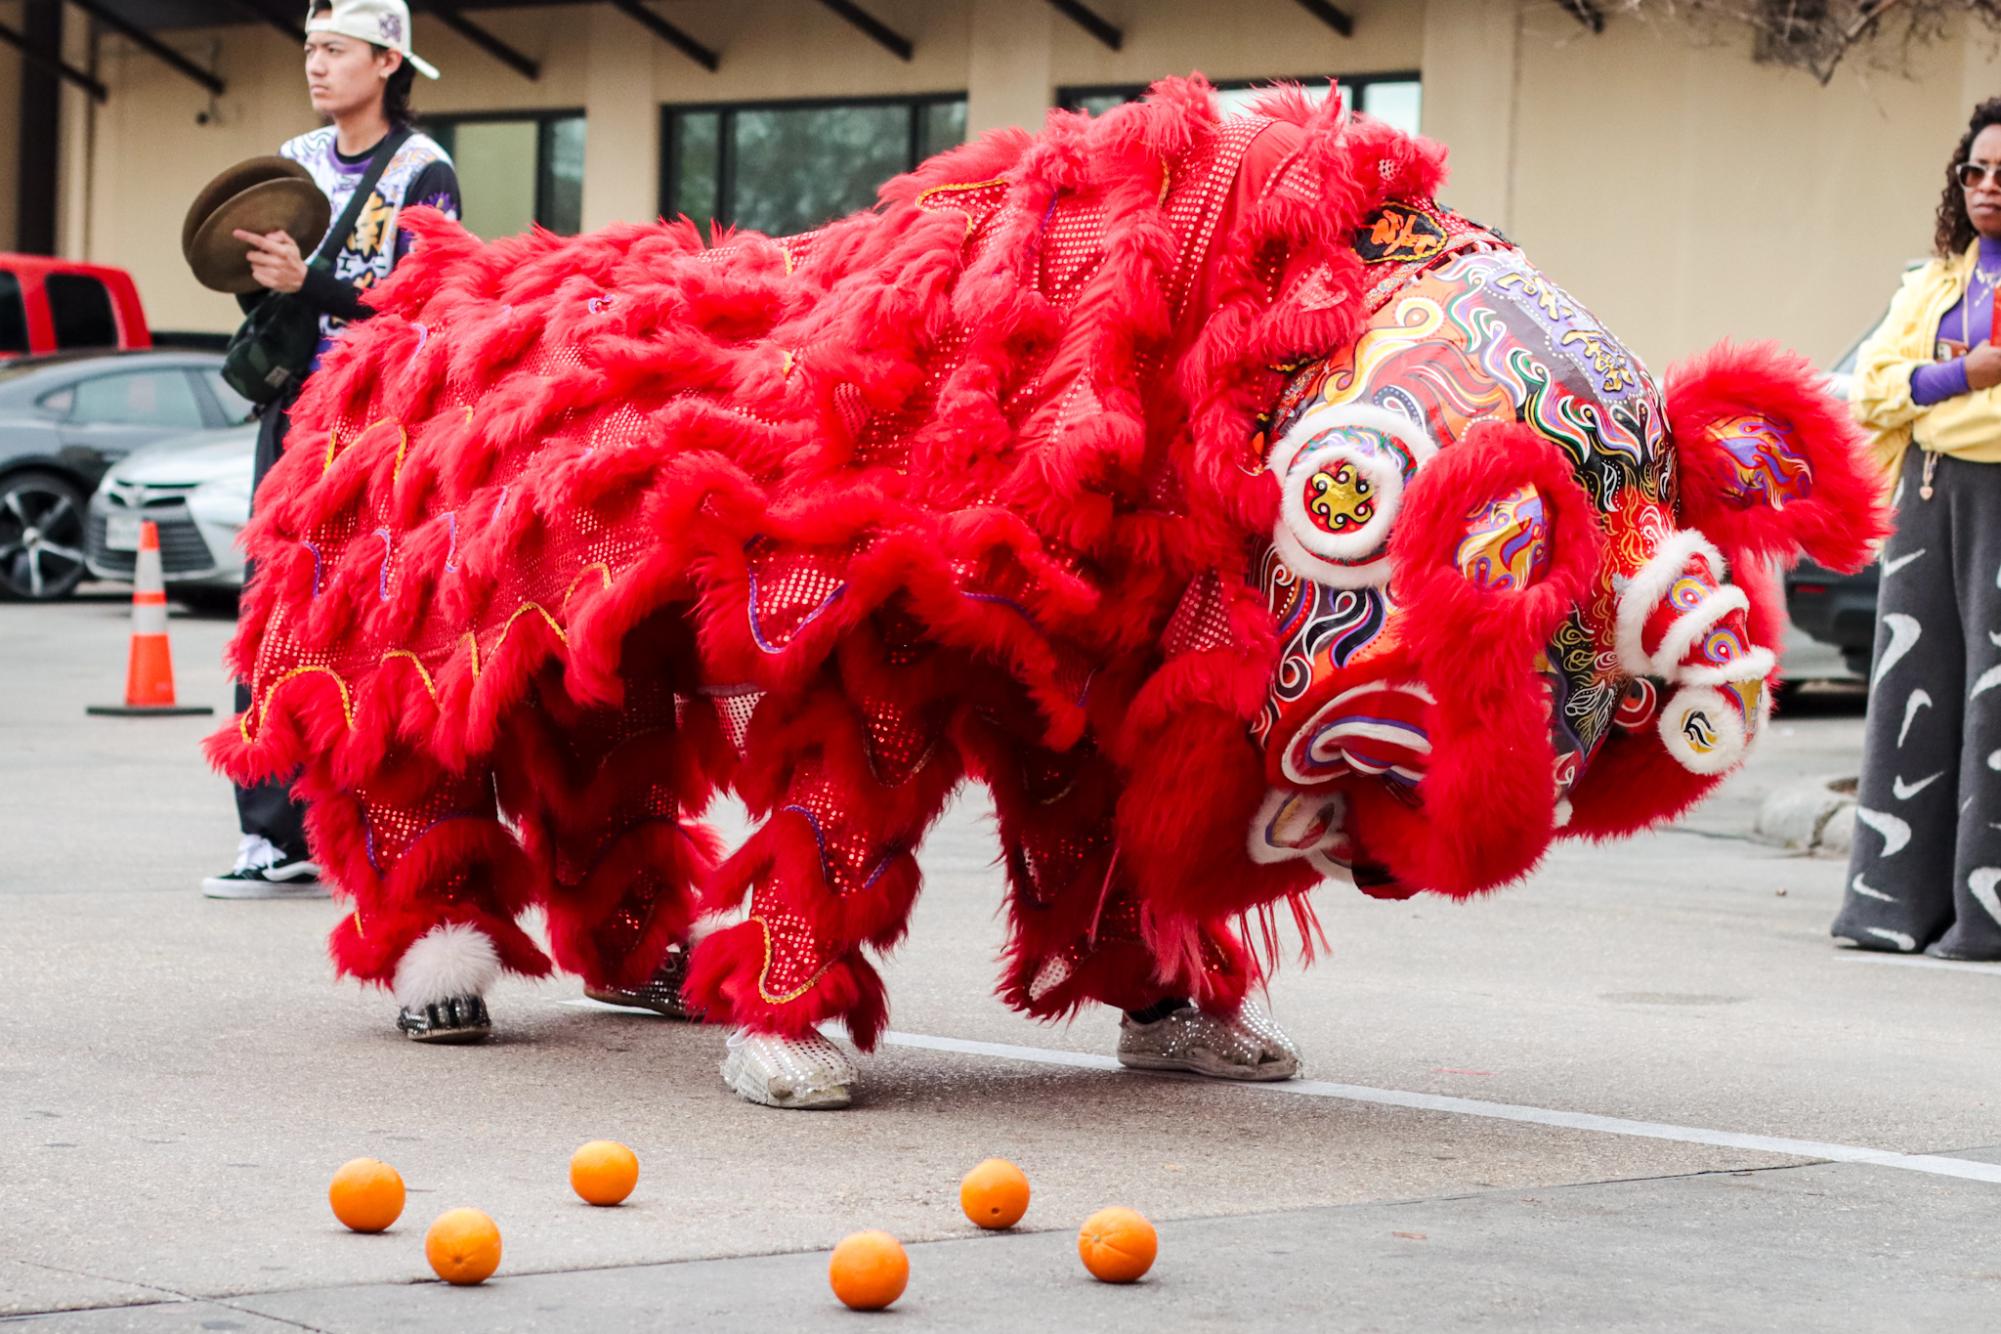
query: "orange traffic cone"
149, 673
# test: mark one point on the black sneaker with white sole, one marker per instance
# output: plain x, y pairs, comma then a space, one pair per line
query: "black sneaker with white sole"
263, 872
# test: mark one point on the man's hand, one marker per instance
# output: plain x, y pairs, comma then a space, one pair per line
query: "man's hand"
275, 263
1983, 366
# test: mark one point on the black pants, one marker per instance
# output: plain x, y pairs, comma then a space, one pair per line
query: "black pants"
268, 808
1925, 873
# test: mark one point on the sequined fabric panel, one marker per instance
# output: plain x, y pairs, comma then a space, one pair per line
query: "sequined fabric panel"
789, 590
394, 825
900, 738
794, 959
734, 706
1201, 621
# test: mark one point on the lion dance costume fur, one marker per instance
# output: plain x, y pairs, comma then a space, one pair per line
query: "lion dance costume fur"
1240, 517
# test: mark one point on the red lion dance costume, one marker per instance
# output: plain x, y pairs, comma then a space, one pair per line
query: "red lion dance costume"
1240, 517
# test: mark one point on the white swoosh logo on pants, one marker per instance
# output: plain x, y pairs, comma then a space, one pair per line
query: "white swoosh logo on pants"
1896, 833
1905, 791
1983, 882
1904, 635
1866, 892
1920, 699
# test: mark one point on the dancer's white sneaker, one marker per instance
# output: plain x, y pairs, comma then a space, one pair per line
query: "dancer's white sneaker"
788, 1072
1250, 1045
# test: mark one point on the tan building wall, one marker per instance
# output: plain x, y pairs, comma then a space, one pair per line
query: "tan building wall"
1683, 192
10, 127
1726, 198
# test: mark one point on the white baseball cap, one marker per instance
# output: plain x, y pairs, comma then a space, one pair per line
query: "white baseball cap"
380, 22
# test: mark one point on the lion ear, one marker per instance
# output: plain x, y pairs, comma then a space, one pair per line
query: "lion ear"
1772, 467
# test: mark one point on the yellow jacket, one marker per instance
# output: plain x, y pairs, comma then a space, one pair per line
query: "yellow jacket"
1967, 427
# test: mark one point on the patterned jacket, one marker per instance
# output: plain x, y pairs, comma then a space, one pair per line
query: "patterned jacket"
420, 173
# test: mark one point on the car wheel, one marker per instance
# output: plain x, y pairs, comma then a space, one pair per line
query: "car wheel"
41, 537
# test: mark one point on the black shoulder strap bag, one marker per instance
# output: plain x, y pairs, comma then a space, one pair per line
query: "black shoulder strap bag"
273, 348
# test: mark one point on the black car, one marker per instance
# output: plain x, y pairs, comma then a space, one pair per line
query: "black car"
1837, 609
64, 419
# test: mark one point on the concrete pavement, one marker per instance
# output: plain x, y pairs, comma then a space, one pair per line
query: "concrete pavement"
1596, 1100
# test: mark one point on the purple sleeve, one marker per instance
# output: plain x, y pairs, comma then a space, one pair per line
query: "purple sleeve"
1937, 381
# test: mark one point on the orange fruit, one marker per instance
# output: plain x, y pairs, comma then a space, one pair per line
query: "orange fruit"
366, 1194
463, 1246
1117, 1245
869, 1270
604, 1171
994, 1194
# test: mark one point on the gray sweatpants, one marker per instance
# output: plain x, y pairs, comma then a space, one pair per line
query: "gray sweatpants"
1926, 867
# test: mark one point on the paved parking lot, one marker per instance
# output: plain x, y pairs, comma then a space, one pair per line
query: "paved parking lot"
1639, 1092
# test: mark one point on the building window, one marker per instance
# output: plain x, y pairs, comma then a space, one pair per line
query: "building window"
81, 310
787, 167
515, 170
1394, 98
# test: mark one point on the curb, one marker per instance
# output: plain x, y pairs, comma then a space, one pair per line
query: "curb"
1816, 817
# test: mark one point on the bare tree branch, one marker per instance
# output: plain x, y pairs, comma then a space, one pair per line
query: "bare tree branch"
1817, 36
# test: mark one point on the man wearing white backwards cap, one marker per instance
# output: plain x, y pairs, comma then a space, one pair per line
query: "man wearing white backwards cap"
383, 24
359, 71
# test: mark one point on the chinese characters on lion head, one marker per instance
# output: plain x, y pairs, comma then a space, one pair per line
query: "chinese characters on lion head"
1236, 514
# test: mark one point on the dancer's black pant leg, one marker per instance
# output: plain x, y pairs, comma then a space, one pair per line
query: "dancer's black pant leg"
267, 808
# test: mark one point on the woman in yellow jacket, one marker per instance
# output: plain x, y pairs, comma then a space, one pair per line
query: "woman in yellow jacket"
1926, 869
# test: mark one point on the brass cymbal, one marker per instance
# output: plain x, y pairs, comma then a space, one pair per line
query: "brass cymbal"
285, 204
234, 181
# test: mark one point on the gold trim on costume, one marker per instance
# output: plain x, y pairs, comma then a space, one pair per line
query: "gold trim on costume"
346, 700
604, 571
333, 441
263, 710
923, 200
418, 664
765, 972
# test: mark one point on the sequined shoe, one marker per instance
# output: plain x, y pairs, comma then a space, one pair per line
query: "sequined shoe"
441, 981
661, 993
788, 1072
1249, 1045
455, 1019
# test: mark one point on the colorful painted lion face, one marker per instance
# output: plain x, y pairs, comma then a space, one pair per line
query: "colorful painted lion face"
1394, 586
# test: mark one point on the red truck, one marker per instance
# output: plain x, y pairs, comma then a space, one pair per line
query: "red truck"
56, 305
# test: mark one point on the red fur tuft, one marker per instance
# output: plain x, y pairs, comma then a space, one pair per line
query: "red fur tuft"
1489, 797
1841, 515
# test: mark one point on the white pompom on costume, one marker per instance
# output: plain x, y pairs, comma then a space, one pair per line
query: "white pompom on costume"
450, 960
